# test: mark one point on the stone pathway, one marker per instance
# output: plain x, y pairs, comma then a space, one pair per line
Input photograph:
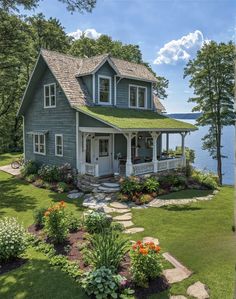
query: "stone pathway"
10, 170
124, 217
178, 273
157, 203
198, 290
178, 297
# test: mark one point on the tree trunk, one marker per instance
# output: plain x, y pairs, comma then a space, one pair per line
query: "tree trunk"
218, 152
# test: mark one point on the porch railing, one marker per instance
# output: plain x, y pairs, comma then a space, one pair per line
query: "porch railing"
142, 168
91, 169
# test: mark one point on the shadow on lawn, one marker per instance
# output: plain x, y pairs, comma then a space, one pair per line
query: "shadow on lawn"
180, 208
37, 279
12, 196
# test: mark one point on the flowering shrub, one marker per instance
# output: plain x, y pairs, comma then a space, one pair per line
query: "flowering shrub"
29, 167
145, 262
49, 173
207, 179
56, 224
102, 283
13, 239
95, 222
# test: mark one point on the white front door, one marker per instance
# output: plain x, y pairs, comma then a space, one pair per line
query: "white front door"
103, 154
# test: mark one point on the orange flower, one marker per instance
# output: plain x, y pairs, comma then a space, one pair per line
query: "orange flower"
139, 242
62, 203
143, 251
134, 247
47, 213
157, 248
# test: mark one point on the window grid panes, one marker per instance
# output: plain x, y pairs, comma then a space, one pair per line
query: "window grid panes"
137, 96
50, 95
59, 145
104, 90
39, 144
103, 147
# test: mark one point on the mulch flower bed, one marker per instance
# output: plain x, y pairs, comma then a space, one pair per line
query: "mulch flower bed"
11, 265
74, 254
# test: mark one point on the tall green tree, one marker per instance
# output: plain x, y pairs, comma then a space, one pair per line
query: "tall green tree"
87, 47
71, 5
212, 78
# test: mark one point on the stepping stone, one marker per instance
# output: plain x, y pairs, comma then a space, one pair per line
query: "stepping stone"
111, 185
198, 290
75, 195
108, 190
175, 275
150, 239
126, 223
118, 205
121, 211
109, 210
94, 185
124, 217
178, 297
134, 230
73, 191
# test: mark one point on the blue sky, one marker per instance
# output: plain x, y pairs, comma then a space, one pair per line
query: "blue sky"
169, 32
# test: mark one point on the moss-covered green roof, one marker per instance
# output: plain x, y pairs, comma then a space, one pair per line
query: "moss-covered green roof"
135, 119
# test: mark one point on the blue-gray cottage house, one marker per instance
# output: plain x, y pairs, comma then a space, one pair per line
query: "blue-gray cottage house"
98, 114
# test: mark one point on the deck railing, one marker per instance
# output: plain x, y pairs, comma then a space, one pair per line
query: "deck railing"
142, 168
91, 169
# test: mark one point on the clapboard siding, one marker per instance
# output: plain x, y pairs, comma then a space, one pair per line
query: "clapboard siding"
122, 92
59, 120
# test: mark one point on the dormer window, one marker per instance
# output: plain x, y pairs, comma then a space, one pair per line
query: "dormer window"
137, 96
104, 90
50, 95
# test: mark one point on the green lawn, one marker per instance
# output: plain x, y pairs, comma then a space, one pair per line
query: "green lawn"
7, 158
199, 235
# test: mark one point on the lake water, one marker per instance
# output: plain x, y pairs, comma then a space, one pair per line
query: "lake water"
202, 158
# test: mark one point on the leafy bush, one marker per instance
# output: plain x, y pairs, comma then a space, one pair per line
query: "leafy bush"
116, 226
145, 262
102, 283
49, 173
29, 167
151, 185
62, 187
130, 186
95, 222
56, 225
39, 216
145, 198
107, 249
172, 180
66, 173
73, 222
13, 239
207, 179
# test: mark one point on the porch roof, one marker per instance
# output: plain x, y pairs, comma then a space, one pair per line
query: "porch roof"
134, 119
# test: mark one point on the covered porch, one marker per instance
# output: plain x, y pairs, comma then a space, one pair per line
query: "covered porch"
134, 150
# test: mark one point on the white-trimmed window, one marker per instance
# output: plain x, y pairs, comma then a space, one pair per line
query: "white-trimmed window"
39, 144
137, 96
50, 95
104, 90
59, 145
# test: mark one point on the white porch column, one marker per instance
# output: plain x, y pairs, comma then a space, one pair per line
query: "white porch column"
129, 164
183, 134
83, 155
154, 135
167, 143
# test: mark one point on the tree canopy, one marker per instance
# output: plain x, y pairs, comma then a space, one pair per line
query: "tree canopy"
212, 78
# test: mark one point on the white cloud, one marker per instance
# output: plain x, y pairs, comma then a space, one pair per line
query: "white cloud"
180, 49
90, 33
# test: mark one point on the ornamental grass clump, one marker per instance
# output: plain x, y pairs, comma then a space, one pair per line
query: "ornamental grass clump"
145, 262
56, 224
13, 239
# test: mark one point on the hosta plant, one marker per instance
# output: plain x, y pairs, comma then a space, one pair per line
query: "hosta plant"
56, 224
145, 262
102, 283
151, 185
13, 239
